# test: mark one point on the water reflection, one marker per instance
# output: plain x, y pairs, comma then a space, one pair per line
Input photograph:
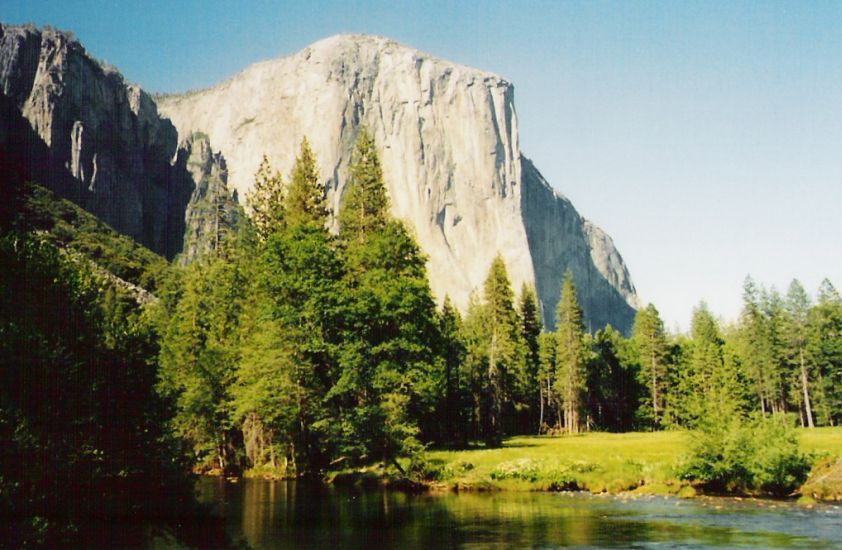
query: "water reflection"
296, 515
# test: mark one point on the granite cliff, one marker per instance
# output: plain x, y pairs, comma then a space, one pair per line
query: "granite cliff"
94, 138
448, 136
449, 140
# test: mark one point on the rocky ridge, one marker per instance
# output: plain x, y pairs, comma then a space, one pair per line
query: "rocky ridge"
449, 140
92, 137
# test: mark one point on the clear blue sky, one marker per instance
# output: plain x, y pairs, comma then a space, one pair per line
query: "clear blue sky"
706, 137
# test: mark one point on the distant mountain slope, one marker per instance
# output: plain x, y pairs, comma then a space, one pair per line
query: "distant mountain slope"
451, 155
69, 227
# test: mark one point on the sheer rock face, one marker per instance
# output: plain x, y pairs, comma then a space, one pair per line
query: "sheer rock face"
560, 239
447, 133
448, 137
106, 147
212, 211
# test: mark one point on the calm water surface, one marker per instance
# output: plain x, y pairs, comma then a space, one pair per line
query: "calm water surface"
295, 515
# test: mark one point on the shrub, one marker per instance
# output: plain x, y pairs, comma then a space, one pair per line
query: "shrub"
747, 456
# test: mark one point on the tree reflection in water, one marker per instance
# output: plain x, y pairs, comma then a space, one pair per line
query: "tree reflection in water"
270, 515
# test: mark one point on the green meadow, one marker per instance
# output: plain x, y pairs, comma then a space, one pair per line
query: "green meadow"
644, 462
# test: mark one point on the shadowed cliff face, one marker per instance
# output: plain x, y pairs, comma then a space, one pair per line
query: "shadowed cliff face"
107, 148
560, 239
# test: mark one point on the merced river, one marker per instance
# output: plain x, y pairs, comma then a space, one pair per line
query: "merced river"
267, 514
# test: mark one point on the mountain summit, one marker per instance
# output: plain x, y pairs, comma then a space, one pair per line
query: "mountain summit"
447, 133
451, 155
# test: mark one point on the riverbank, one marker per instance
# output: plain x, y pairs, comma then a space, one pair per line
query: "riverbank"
637, 463
592, 462
641, 462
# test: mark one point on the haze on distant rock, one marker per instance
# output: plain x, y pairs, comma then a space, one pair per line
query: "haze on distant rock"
448, 136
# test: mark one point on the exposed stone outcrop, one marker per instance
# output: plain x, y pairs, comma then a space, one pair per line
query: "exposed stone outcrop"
101, 142
448, 136
212, 212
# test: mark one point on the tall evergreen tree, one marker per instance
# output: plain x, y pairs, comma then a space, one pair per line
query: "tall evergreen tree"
199, 354
571, 355
547, 348
304, 202
365, 204
708, 386
614, 391
290, 351
390, 329
529, 392
754, 350
266, 200
474, 368
796, 329
774, 350
503, 336
824, 345
451, 414
650, 339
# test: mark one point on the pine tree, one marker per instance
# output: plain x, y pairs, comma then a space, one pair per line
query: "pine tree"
389, 320
774, 350
502, 348
796, 326
304, 202
266, 201
450, 327
650, 339
709, 387
547, 347
365, 204
530, 329
571, 354
753, 346
824, 345
614, 391
474, 369
289, 360
199, 355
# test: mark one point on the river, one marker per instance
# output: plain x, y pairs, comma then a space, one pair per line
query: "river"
270, 515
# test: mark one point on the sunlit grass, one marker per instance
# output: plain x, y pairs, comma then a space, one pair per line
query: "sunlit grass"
597, 462
822, 440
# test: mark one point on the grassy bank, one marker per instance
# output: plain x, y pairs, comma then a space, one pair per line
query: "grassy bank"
595, 462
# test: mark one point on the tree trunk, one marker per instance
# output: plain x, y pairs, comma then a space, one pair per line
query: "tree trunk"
807, 405
493, 434
654, 389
